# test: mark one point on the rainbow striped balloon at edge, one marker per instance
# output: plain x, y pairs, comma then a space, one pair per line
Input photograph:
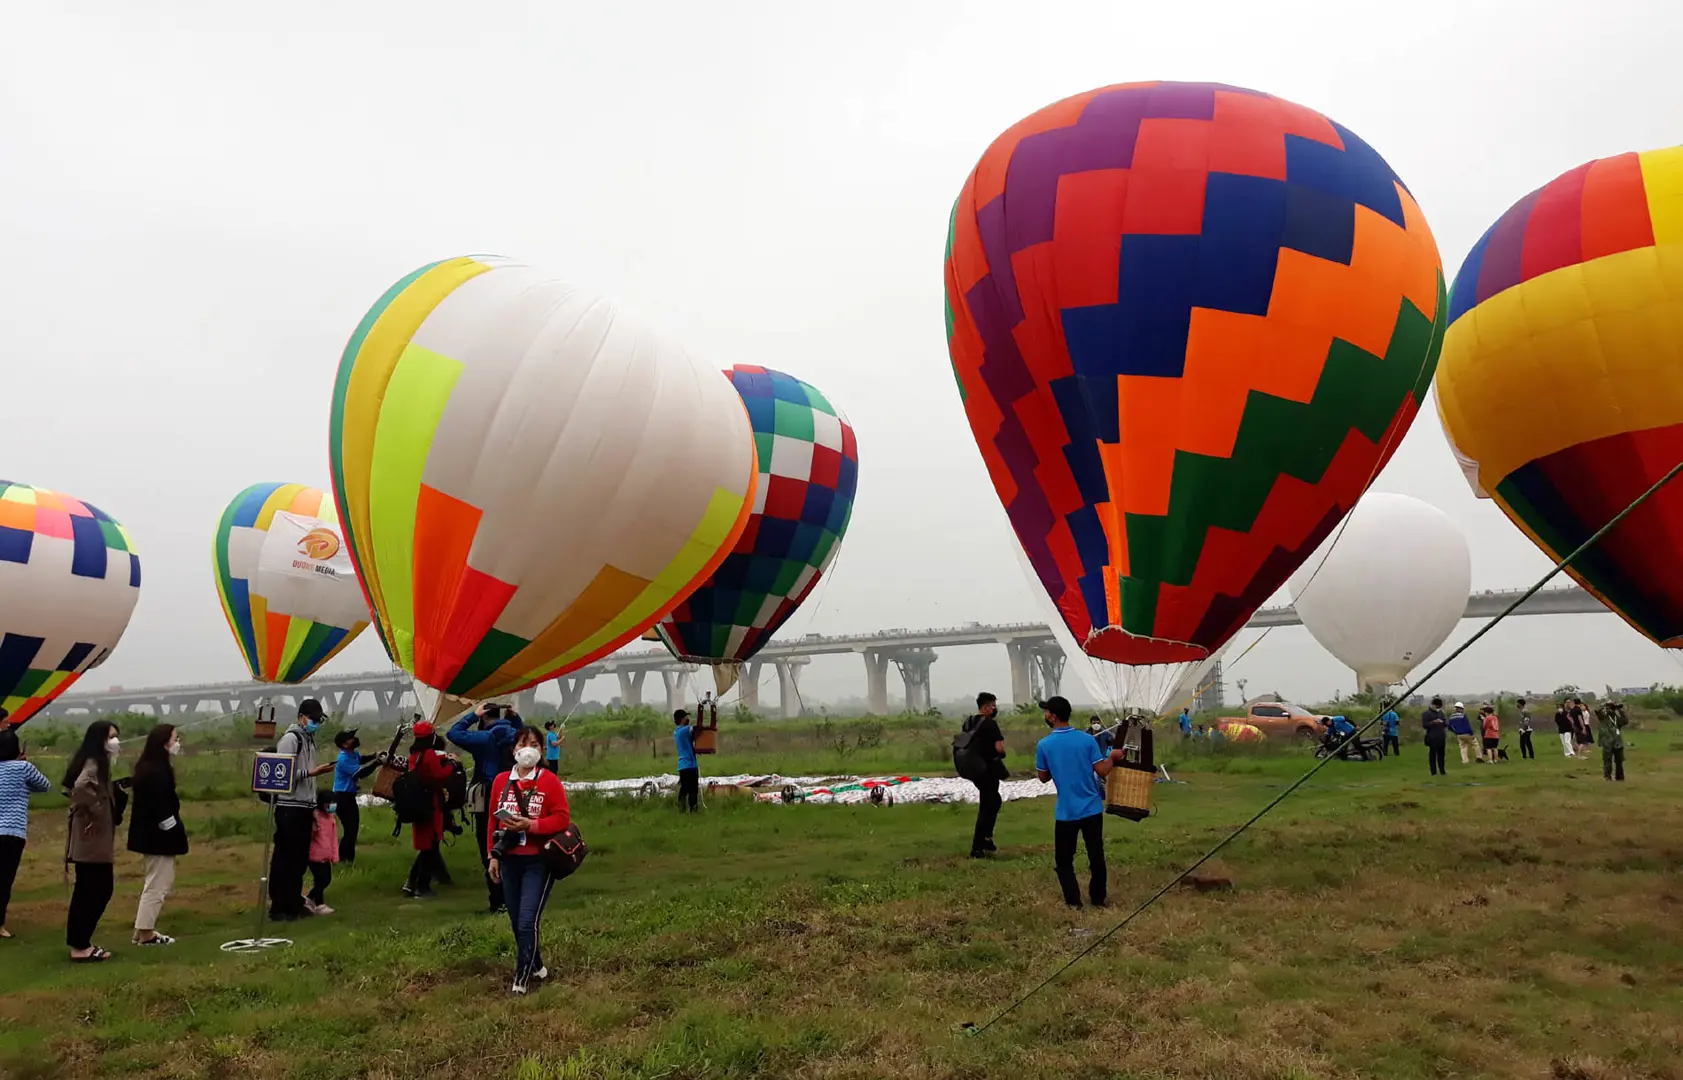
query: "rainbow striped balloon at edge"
277, 646
1560, 387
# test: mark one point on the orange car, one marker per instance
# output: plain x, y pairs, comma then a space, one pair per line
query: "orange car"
1279, 720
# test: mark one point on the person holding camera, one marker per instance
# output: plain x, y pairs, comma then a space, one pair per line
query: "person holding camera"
487, 734
1610, 718
426, 765
530, 807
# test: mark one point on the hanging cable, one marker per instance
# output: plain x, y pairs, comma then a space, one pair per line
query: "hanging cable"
1322, 763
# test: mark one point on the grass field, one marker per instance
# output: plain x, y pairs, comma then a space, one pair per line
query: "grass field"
1513, 921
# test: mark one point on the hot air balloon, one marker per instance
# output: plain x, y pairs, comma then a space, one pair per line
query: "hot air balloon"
809, 468
1387, 589
527, 476
287, 585
1561, 386
1189, 324
69, 578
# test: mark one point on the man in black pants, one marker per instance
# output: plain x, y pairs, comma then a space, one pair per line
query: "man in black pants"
1437, 735
1072, 757
988, 743
295, 815
1526, 750
689, 771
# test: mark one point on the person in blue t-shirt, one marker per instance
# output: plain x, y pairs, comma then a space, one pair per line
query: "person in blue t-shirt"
1185, 725
552, 748
1071, 758
689, 772
349, 767
1463, 729
1388, 719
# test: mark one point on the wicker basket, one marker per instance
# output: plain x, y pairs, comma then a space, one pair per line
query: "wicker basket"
1127, 792
706, 740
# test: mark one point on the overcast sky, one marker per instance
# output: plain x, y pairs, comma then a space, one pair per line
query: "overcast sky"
201, 200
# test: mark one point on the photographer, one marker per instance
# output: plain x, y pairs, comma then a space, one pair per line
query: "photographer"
530, 806
1610, 718
487, 734
426, 764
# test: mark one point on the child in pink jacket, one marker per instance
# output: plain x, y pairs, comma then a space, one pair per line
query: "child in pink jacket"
324, 852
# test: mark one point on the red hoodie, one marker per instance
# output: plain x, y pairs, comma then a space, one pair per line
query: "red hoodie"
546, 805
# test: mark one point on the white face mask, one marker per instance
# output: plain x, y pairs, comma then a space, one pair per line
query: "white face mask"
113, 747
527, 756
174, 749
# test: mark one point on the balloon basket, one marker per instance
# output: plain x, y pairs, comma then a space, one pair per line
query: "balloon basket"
706, 740
385, 781
264, 726
1127, 792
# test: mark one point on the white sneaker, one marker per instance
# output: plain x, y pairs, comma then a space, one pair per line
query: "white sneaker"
519, 987
541, 974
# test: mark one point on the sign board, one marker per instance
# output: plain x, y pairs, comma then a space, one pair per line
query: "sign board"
271, 774
1632, 691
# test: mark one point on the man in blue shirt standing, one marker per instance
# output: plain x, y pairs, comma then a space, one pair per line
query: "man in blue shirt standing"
1185, 724
349, 767
1463, 729
487, 734
689, 772
1388, 719
552, 748
1072, 759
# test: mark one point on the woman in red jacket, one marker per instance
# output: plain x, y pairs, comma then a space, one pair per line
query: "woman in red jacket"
426, 763
528, 806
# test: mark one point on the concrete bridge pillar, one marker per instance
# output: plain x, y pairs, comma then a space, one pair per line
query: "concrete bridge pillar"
385, 702
914, 667
788, 685
631, 688
1022, 672
1049, 666
674, 680
527, 700
572, 691
748, 685
876, 682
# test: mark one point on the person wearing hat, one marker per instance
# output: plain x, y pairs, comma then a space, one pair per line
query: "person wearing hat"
487, 734
1610, 719
1072, 758
295, 815
349, 768
689, 770
426, 764
1463, 729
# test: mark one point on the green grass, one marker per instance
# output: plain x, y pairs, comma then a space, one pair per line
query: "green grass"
1515, 921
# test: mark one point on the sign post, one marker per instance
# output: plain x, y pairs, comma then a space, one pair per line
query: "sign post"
272, 775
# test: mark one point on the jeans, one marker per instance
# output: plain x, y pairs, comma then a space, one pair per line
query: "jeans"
1526, 750
1390, 745
94, 882
526, 885
689, 789
987, 813
1434, 755
1613, 758
11, 853
350, 819
293, 828
321, 876
160, 878
1091, 830
481, 833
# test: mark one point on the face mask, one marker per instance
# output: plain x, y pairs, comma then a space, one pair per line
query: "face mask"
113, 747
527, 756
174, 749
312, 726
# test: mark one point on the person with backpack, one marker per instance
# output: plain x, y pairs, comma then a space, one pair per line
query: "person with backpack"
419, 795
156, 832
487, 734
295, 815
979, 757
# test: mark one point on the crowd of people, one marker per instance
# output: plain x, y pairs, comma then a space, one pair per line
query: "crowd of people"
1480, 739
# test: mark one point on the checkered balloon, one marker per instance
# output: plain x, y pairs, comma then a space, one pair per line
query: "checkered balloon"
69, 578
1189, 323
809, 469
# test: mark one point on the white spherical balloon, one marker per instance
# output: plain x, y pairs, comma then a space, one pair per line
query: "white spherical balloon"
1387, 588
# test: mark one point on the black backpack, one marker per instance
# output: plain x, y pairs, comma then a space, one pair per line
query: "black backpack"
968, 759
413, 800
455, 786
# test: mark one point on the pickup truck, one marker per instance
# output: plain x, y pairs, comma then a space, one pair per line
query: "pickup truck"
1277, 719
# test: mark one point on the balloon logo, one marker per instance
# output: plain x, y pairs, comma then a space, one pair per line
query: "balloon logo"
1189, 324
70, 579
319, 544
1561, 386
528, 477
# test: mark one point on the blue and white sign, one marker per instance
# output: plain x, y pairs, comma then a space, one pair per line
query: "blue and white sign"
271, 774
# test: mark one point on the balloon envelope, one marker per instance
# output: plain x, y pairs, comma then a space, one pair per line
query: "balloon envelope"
527, 476
288, 589
1561, 385
1189, 323
1387, 589
69, 577
809, 470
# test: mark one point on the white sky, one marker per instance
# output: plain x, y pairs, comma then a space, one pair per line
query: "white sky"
201, 199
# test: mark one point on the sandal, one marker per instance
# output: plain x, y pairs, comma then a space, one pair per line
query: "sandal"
98, 956
157, 939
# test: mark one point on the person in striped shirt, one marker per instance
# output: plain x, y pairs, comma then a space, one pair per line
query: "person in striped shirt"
18, 780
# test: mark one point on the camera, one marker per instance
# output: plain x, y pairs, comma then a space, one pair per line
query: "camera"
493, 711
501, 841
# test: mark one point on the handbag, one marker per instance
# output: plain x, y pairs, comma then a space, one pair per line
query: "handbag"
562, 853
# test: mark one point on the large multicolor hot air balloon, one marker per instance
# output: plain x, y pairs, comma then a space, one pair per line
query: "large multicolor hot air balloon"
809, 469
287, 585
1189, 323
1561, 386
69, 578
527, 476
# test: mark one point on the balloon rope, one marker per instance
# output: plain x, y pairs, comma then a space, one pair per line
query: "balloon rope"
1322, 763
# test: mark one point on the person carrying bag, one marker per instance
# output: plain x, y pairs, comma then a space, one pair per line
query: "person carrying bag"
533, 843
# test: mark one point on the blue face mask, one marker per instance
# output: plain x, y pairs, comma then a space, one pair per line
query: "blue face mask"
312, 726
